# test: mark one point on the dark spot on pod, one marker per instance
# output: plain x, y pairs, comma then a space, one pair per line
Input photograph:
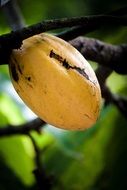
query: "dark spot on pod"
14, 73
86, 115
28, 78
29, 81
29, 85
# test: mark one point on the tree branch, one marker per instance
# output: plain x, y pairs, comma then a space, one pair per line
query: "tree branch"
44, 181
111, 56
9, 130
119, 101
81, 30
14, 40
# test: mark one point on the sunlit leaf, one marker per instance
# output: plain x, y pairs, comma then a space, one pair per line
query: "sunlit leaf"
17, 151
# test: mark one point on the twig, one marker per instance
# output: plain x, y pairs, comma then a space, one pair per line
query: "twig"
81, 30
76, 31
111, 56
119, 101
14, 39
43, 181
102, 74
9, 130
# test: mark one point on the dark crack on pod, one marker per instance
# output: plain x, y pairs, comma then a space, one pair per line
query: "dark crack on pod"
81, 71
65, 64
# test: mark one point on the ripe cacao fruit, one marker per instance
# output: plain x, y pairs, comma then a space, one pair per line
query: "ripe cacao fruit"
56, 82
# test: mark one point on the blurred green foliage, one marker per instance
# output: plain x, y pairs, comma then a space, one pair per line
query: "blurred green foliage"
94, 159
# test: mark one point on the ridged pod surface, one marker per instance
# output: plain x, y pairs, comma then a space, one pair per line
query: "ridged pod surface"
56, 82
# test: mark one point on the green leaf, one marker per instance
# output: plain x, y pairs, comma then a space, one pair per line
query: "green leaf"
80, 169
17, 151
9, 109
8, 179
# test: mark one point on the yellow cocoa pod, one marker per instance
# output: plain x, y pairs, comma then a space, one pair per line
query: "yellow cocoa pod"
56, 82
